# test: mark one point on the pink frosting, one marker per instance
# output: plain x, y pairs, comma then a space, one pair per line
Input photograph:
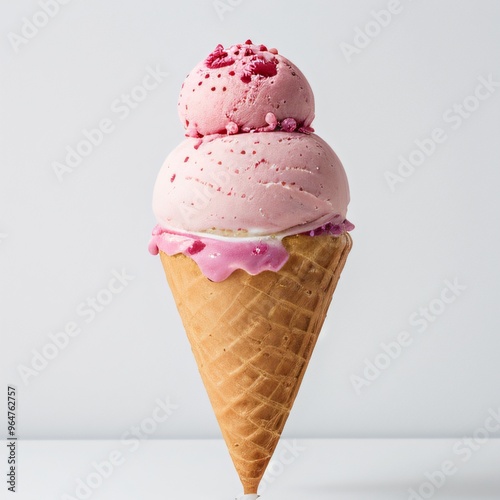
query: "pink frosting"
253, 184
217, 258
242, 88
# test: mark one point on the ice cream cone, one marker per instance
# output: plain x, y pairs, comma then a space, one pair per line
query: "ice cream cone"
253, 336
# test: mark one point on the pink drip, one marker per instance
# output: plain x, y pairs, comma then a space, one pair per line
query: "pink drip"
218, 258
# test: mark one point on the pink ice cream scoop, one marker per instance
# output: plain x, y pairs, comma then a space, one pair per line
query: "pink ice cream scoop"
256, 184
244, 88
251, 171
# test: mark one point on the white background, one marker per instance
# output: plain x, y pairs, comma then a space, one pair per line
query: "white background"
61, 241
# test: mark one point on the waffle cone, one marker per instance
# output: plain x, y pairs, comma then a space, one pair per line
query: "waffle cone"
253, 336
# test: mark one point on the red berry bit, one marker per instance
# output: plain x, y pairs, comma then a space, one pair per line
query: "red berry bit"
260, 249
259, 66
218, 58
288, 125
196, 247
